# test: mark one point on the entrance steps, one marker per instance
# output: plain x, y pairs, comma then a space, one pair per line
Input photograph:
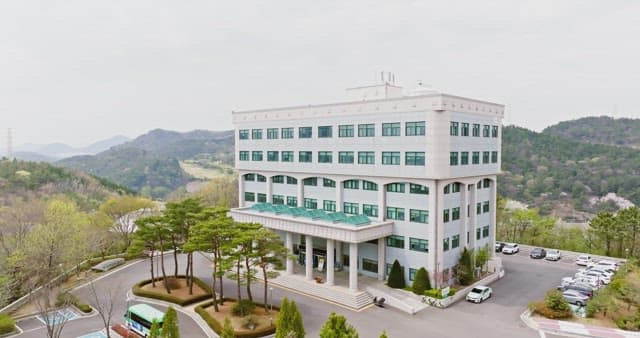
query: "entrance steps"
399, 299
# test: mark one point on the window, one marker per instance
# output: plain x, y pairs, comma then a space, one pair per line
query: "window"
249, 196
313, 181
328, 183
391, 157
485, 157
277, 199
250, 177
287, 132
476, 130
445, 244
414, 158
305, 132
391, 129
412, 274
277, 179
256, 134
455, 241
455, 187
414, 128
485, 231
494, 157
479, 184
311, 203
272, 156
243, 134
419, 216
475, 157
418, 189
455, 214
494, 131
292, 201
262, 198
395, 187
453, 158
256, 155
244, 155
261, 178
366, 157
325, 131
447, 189
345, 157
366, 130
350, 208
485, 207
453, 129
325, 157
367, 185
445, 216
272, 133
478, 233
395, 241
478, 208
486, 183
287, 156
464, 158
351, 184
417, 244
291, 180
395, 213
465, 129
485, 130
369, 265
329, 206
304, 156
345, 130
370, 210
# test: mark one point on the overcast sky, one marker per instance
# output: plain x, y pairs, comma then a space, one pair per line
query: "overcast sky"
80, 71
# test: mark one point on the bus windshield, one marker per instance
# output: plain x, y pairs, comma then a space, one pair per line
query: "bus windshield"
140, 316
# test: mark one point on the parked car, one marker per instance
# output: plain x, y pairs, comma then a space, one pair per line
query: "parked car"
575, 297
553, 255
538, 253
566, 281
584, 260
582, 288
479, 294
606, 264
510, 248
499, 246
593, 281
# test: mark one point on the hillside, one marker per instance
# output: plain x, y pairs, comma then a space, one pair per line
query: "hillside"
21, 179
151, 162
599, 130
547, 171
56, 151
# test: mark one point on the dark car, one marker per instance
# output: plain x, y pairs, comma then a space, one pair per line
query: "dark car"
538, 253
583, 289
499, 246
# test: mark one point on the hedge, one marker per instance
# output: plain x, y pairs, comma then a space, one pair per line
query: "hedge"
7, 324
68, 298
138, 291
437, 293
217, 327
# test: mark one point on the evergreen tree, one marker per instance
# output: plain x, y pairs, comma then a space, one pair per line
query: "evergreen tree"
289, 323
154, 331
337, 327
297, 326
384, 334
170, 325
464, 269
396, 277
227, 329
421, 282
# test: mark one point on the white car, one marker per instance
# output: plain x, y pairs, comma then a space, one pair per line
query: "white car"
510, 248
591, 278
479, 294
584, 260
566, 281
605, 264
553, 255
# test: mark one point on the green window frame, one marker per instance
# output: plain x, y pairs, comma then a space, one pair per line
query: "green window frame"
325, 131
485, 207
367, 130
350, 208
455, 187
391, 157
250, 177
412, 274
262, 198
368, 185
256, 134
256, 155
292, 201
418, 244
478, 233
277, 199
486, 183
325, 156
286, 133
305, 157
272, 133
345, 130
419, 216
311, 203
243, 134
494, 131
485, 157
366, 157
486, 130
485, 231
305, 132
369, 265
445, 215
478, 208
475, 131
249, 196
395, 241
261, 178
464, 158
453, 128
455, 241
475, 157
414, 128
345, 157
272, 156
277, 179
244, 155
391, 129
494, 157
445, 244
329, 183
455, 213
453, 158
328, 205
395, 187
418, 189
414, 158
292, 180
395, 213
287, 156
351, 184
312, 181
370, 210
465, 129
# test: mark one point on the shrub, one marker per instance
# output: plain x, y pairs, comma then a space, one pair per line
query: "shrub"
7, 324
66, 298
556, 302
138, 291
396, 276
628, 323
218, 327
421, 282
243, 308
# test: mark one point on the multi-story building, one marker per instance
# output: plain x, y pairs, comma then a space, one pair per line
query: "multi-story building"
383, 176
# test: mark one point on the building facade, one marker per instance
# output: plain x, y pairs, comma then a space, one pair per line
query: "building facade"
384, 176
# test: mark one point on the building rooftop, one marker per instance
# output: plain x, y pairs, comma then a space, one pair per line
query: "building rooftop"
312, 214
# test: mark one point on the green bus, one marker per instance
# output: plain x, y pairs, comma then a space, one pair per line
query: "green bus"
140, 316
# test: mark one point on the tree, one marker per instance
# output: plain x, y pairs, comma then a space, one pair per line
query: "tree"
603, 226
152, 233
227, 329
556, 302
104, 303
384, 334
396, 276
337, 327
170, 325
53, 321
268, 250
154, 331
123, 210
289, 323
220, 191
629, 220
482, 257
421, 282
464, 269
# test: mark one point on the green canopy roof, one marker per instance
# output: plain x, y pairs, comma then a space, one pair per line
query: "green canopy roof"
313, 214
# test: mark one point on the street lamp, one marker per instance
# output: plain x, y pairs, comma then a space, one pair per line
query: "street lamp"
270, 298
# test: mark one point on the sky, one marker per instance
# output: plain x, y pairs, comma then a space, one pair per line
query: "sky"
78, 71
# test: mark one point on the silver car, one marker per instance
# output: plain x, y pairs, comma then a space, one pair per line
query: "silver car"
575, 297
553, 255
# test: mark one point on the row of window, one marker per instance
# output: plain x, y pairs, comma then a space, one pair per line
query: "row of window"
345, 157
454, 213
349, 184
462, 129
462, 157
415, 244
454, 241
454, 187
346, 130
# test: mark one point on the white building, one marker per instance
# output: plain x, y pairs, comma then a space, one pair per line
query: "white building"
381, 177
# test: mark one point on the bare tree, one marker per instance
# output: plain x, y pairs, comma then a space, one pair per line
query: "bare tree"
45, 302
103, 301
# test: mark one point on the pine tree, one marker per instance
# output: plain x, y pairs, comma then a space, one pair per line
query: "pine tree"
384, 334
421, 282
396, 277
297, 325
170, 325
154, 331
227, 329
337, 327
289, 323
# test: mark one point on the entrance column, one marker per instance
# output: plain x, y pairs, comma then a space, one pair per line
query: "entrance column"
289, 244
353, 266
381, 258
339, 255
330, 259
308, 258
